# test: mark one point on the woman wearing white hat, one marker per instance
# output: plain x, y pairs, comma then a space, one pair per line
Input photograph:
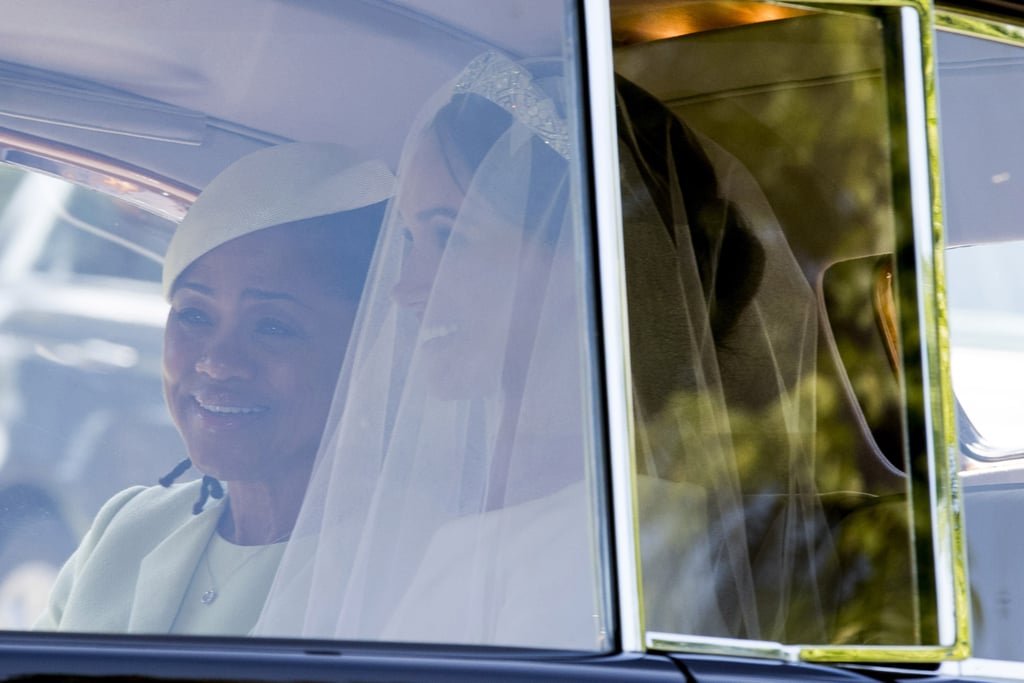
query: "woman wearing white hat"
264, 277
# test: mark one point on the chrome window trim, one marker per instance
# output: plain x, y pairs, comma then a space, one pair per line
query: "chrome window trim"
614, 325
729, 647
949, 554
928, 242
160, 196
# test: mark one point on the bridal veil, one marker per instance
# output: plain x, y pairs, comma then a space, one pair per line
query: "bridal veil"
458, 492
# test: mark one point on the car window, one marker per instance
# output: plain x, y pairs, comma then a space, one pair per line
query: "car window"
985, 317
772, 320
80, 237
298, 324
310, 317
83, 413
981, 72
983, 237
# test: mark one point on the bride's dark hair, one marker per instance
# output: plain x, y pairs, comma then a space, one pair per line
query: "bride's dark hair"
730, 260
677, 179
469, 126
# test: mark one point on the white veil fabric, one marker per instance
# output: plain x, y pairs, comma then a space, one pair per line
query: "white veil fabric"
723, 327
456, 493
453, 498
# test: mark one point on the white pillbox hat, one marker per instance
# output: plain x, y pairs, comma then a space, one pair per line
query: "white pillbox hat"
276, 185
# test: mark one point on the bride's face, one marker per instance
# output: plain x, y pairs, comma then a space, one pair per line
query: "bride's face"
461, 275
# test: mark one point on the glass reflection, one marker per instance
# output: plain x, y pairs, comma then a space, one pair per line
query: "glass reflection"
776, 432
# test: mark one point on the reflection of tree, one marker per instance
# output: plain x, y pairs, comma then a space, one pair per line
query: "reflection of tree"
827, 156
844, 576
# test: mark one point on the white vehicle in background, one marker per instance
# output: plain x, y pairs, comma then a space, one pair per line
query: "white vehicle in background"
81, 320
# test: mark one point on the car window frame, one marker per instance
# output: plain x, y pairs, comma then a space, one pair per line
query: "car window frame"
940, 501
610, 281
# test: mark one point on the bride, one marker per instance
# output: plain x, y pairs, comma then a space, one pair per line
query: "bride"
456, 496
455, 499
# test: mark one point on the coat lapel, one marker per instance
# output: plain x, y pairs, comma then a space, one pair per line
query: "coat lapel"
166, 572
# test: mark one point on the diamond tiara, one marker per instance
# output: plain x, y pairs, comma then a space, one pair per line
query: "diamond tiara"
510, 86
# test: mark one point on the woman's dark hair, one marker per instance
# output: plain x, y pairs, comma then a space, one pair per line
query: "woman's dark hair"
469, 126
340, 247
674, 169
730, 260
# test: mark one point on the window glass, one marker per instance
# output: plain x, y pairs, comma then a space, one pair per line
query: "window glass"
986, 327
981, 105
82, 412
78, 245
773, 323
982, 169
297, 326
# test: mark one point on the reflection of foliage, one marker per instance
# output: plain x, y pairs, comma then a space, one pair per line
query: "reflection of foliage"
818, 142
826, 567
878, 605
823, 147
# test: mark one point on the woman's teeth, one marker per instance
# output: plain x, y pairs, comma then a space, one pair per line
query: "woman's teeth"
229, 410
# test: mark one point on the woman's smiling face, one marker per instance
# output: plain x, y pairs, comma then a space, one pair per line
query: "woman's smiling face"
459, 276
252, 349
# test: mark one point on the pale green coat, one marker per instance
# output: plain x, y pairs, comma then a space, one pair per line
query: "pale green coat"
134, 565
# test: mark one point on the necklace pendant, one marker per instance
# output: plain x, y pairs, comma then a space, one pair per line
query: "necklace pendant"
208, 597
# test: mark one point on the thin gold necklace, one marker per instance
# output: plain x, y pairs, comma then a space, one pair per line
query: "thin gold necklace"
210, 595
